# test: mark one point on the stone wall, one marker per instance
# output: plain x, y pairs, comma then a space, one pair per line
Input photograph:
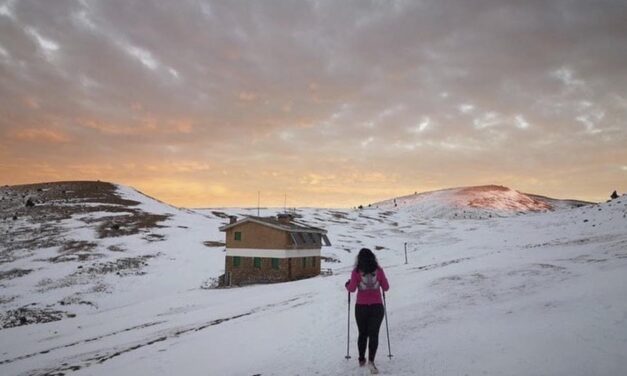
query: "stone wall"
289, 269
299, 272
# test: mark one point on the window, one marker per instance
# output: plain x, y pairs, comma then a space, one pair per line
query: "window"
313, 261
302, 238
304, 262
257, 262
275, 263
311, 237
238, 235
236, 261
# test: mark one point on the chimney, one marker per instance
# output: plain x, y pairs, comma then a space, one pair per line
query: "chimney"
284, 218
232, 219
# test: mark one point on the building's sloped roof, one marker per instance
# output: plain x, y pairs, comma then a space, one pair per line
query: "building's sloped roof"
293, 226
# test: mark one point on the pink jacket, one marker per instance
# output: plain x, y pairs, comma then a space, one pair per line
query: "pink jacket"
368, 296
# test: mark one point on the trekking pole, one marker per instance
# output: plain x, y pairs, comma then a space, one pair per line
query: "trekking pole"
385, 313
348, 327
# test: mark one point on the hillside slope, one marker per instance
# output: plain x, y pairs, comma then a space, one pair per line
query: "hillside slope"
79, 247
475, 202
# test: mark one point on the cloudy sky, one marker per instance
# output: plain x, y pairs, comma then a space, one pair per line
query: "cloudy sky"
334, 103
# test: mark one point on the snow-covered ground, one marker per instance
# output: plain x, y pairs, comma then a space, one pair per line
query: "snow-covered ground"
535, 294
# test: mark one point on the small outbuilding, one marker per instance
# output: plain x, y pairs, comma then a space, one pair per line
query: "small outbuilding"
271, 249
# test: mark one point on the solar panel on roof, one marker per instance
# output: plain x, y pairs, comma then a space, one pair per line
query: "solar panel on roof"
293, 238
302, 238
297, 238
326, 240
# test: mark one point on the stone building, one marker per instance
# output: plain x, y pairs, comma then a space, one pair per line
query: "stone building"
271, 249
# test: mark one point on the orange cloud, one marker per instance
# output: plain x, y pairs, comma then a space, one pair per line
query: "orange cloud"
139, 126
41, 135
108, 128
182, 192
183, 126
178, 167
31, 102
247, 96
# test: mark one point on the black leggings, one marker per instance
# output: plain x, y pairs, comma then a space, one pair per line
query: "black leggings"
369, 318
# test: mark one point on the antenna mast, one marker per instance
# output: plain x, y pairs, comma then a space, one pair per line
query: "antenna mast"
258, 201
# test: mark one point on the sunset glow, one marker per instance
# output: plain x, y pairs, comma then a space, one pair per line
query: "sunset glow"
327, 103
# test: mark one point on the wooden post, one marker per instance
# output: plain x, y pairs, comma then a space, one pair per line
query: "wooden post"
405, 253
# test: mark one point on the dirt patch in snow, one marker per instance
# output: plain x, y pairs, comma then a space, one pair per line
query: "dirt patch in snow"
115, 226
76, 300
483, 188
7, 299
14, 273
122, 267
76, 250
329, 259
154, 237
29, 315
338, 214
116, 248
89, 275
213, 243
220, 214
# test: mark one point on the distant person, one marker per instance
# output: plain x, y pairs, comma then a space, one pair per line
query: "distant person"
368, 278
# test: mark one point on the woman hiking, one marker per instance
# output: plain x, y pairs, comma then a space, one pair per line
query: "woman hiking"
368, 278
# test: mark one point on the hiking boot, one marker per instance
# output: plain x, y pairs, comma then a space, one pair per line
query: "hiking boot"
373, 369
362, 362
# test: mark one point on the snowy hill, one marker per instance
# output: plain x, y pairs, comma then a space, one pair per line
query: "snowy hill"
84, 244
475, 202
111, 281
